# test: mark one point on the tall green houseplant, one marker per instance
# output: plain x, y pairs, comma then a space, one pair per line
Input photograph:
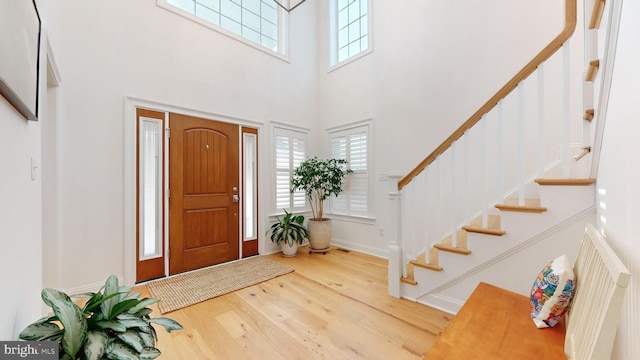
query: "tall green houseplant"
319, 179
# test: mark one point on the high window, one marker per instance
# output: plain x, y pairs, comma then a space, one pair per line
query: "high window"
350, 29
258, 21
290, 150
352, 143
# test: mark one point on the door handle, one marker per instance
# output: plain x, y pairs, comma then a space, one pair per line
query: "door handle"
235, 198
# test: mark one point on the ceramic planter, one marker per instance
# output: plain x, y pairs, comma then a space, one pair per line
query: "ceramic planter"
319, 234
289, 251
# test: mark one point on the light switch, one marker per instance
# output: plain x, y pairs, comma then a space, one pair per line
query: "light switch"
34, 169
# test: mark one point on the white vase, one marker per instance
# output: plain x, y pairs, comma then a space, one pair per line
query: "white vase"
289, 251
319, 234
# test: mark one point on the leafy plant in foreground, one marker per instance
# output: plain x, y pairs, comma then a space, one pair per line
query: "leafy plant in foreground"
112, 324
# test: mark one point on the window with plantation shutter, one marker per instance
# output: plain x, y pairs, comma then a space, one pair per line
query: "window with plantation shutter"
352, 144
290, 151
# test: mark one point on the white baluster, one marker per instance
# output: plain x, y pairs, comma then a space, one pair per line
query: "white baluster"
429, 219
438, 202
521, 164
485, 173
565, 104
500, 155
540, 144
410, 221
454, 235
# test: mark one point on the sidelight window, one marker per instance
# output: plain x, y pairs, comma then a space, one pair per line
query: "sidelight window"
150, 187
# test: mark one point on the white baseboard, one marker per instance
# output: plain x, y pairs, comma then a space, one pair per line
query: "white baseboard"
442, 303
369, 250
84, 289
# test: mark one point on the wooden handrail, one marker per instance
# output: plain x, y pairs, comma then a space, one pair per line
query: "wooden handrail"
544, 55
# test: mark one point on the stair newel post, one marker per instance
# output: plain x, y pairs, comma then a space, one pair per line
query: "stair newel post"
397, 267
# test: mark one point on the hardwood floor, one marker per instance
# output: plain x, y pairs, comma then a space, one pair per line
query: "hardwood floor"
333, 306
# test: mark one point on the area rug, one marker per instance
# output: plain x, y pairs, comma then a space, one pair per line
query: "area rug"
186, 289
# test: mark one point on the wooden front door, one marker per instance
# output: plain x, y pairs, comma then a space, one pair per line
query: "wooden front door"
203, 183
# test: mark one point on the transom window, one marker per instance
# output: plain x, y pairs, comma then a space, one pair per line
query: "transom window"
350, 24
258, 21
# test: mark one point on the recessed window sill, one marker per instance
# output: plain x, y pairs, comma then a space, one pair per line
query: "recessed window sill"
349, 60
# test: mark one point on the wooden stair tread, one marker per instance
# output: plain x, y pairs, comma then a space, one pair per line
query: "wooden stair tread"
585, 151
493, 227
530, 206
481, 230
596, 14
566, 182
460, 247
425, 265
594, 65
452, 249
588, 114
408, 281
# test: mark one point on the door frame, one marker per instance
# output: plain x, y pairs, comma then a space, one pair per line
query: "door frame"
130, 184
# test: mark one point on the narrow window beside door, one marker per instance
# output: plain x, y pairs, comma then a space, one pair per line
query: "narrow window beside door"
150, 191
250, 153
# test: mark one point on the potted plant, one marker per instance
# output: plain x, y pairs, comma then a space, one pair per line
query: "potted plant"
319, 179
112, 324
289, 232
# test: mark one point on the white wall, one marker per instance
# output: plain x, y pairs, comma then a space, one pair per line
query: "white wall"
20, 222
619, 177
21, 211
434, 63
112, 49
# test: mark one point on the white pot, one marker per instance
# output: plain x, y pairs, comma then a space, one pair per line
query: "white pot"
289, 251
319, 234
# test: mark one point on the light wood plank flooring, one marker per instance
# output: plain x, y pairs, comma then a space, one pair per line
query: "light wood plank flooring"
333, 306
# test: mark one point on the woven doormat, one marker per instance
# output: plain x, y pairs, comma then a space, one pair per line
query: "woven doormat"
183, 290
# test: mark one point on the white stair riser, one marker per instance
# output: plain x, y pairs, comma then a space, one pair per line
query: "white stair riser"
562, 202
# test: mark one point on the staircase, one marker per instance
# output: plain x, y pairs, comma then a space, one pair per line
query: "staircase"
504, 193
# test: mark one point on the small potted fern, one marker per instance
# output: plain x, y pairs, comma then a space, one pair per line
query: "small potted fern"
289, 232
112, 324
